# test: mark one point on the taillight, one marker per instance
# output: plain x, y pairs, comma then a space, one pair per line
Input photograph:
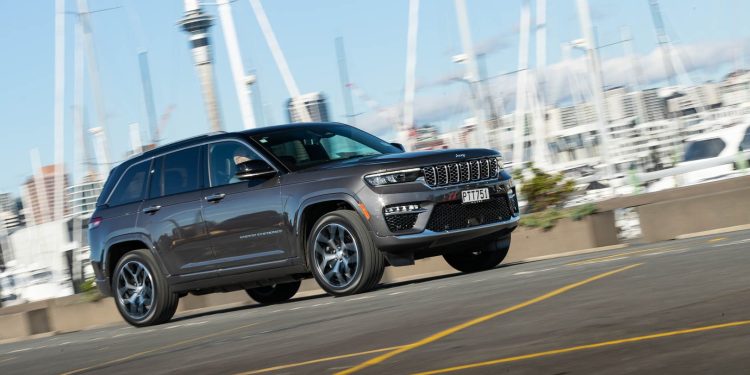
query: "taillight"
95, 222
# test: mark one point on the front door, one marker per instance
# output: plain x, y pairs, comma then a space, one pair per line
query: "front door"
172, 215
243, 217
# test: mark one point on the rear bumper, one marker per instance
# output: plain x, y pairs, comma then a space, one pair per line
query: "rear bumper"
103, 282
428, 240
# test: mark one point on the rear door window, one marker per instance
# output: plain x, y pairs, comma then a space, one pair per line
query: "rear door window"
179, 173
132, 185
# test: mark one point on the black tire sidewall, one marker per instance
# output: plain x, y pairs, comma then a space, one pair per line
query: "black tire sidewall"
359, 239
278, 293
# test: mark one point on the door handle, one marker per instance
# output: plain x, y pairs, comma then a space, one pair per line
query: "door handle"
214, 197
151, 210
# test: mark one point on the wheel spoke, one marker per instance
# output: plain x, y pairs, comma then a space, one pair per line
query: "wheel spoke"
336, 255
135, 289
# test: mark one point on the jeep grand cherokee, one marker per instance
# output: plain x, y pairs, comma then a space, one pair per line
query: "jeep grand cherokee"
262, 209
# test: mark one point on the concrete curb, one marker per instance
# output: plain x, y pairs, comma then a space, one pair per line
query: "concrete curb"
714, 231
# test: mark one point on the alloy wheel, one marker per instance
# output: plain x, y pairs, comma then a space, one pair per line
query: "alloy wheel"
336, 255
135, 289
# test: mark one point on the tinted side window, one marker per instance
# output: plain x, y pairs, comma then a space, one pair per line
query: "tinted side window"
223, 158
132, 185
180, 171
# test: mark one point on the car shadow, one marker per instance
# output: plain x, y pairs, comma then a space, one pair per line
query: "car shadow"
208, 311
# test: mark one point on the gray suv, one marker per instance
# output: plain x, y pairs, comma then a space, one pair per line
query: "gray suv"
263, 209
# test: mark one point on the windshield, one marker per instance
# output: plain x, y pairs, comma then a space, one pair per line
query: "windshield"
704, 149
306, 146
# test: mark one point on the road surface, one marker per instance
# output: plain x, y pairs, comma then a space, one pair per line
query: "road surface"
673, 307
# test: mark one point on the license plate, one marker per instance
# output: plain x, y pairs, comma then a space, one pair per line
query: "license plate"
475, 195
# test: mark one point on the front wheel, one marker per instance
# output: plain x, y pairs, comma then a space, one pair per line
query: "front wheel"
341, 255
274, 293
482, 259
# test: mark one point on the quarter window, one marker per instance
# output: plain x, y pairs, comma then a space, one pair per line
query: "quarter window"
132, 185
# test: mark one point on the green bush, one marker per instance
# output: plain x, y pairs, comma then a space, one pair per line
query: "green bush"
89, 291
543, 190
545, 194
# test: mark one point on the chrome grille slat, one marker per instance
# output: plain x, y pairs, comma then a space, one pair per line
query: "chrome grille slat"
460, 172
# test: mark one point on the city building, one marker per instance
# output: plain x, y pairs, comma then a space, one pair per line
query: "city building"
82, 197
428, 138
38, 196
315, 103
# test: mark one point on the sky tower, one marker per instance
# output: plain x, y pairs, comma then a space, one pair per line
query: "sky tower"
196, 23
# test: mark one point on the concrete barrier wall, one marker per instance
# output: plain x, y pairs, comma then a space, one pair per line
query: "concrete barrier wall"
668, 219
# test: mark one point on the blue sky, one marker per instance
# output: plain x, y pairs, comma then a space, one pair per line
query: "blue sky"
374, 35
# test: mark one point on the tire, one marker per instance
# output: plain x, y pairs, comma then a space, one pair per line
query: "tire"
363, 264
274, 293
141, 292
480, 260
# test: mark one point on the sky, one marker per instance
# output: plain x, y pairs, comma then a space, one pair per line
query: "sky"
711, 35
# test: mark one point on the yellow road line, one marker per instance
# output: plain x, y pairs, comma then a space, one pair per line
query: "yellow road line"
140, 354
613, 256
716, 239
314, 361
481, 319
586, 347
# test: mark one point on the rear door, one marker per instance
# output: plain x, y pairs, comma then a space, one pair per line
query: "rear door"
244, 217
172, 214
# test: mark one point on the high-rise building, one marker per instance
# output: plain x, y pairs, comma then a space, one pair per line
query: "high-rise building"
38, 196
82, 197
315, 103
9, 215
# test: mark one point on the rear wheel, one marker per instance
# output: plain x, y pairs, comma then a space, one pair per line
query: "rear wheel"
142, 295
274, 293
482, 259
342, 256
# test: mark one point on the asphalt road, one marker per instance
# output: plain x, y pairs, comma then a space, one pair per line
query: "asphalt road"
676, 307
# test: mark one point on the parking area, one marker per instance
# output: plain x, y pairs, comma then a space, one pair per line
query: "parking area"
678, 306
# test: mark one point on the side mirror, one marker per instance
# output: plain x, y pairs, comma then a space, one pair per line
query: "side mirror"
254, 168
398, 146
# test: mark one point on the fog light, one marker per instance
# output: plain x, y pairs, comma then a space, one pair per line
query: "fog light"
403, 208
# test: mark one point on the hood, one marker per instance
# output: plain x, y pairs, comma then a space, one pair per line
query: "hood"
409, 159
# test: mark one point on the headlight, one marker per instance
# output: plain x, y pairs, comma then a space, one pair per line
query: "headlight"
500, 163
397, 177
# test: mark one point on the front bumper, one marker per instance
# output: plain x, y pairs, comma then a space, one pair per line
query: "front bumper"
428, 240
420, 238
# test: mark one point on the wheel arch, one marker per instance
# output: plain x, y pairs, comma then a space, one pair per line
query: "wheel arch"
118, 246
314, 208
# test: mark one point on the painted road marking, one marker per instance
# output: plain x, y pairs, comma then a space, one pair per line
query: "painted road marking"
535, 271
716, 239
360, 298
7, 359
314, 361
481, 319
616, 256
586, 347
733, 243
145, 352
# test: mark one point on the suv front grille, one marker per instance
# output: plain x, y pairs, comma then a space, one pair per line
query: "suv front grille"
399, 222
460, 172
455, 215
